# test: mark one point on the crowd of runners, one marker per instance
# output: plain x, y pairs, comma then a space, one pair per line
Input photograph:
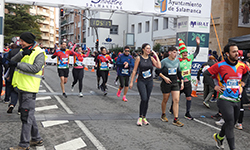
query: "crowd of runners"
225, 80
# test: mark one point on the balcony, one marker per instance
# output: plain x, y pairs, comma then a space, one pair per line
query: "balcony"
63, 22
52, 23
45, 45
57, 35
44, 30
45, 37
43, 13
45, 22
71, 21
33, 11
51, 38
63, 32
84, 40
51, 45
71, 32
51, 31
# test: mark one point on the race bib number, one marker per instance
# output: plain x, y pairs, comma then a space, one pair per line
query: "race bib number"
125, 71
233, 83
64, 60
172, 71
78, 63
104, 66
146, 74
185, 73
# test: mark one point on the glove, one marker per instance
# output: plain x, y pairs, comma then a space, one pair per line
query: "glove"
53, 56
27, 52
13, 63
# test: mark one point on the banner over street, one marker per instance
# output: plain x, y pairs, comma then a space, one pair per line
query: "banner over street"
197, 8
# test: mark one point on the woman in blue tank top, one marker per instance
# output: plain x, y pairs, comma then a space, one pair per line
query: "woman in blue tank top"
145, 80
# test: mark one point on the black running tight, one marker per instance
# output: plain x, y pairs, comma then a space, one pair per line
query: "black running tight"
78, 76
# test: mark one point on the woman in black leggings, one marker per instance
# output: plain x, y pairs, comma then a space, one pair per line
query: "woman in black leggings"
145, 64
78, 71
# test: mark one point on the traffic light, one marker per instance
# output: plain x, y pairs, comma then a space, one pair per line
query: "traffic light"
97, 44
61, 12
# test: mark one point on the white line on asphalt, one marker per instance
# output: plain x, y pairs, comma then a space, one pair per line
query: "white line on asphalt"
43, 98
194, 119
71, 145
40, 85
40, 148
206, 124
53, 123
41, 91
46, 108
85, 130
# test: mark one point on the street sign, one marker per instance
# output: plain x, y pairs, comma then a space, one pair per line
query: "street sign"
100, 23
108, 40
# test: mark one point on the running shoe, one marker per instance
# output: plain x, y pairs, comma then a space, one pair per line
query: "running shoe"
213, 100
139, 122
19, 148
36, 143
171, 111
6, 102
219, 143
145, 122
72, 87
188, 116
124, 99
80, 94
220, 123
206, 104
239, 126
98, 86
118, 94
115, 82
10, 109
64, 94
178, 123
164, 118
216, 116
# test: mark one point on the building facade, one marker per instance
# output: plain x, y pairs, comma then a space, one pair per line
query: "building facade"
50, 34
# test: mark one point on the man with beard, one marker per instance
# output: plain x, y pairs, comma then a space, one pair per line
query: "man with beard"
232, 76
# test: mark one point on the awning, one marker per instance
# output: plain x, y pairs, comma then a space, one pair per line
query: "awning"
243, 42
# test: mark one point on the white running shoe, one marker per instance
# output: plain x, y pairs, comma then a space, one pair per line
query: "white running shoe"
115, 83
220, 123
80, 94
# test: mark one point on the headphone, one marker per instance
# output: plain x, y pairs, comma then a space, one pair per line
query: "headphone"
227, 54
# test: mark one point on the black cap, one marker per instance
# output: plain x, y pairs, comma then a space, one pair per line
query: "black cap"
28, 37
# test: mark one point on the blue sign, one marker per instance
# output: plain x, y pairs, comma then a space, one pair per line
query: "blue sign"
108, 40
195, 68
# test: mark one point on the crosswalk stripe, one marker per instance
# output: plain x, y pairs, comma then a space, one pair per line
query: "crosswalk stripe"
46, 108
53, 123
71, 145
41, 91
43, 98
40, 148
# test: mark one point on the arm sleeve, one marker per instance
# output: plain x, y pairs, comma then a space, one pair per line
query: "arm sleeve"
197, 51
200, 71
179, 72
208, 79
35, 67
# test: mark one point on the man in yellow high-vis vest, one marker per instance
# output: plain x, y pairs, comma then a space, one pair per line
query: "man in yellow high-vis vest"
26, 79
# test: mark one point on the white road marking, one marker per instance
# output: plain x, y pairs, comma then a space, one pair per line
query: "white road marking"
40, 85
71, 145
85, 130
53, 123
204, 123
46, 108
40, 148
43, 98
41, 91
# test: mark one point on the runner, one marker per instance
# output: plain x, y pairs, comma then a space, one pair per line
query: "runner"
125, 63
170, 70
145, 80
232, 76
103, 61
186, 65
78, 70
63, 64
98, 76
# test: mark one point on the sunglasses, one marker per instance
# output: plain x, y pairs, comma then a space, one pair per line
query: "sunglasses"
126, 50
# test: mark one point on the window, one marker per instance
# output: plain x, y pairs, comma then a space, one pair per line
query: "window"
147, 26
175, 22
155, 25
139, 27
92, 31
165, 23
114, 29
132, 28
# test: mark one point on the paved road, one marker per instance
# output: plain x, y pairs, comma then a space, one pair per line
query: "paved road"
106, 122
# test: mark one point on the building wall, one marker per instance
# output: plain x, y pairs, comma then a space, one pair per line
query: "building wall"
226, 16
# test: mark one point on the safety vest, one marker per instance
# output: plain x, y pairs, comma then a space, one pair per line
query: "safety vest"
26, 81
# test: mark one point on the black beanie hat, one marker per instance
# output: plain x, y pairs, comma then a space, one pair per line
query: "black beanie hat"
28, 37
